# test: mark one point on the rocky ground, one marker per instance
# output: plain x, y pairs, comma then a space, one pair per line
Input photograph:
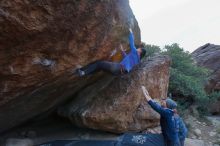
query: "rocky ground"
49, 130
202, 132
207, 129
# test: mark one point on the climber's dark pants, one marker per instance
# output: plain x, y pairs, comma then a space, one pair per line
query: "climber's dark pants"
111, 67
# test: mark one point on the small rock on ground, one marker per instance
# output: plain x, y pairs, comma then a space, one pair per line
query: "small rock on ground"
197, 132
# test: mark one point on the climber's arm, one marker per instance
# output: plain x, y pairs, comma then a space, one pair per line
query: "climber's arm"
146, 94
157, 108
122, 51
131, 41
153, 104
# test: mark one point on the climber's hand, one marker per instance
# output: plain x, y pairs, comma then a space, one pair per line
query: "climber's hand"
146, 94
121, 48
130, 30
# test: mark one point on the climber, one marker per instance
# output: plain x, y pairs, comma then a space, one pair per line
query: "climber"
128, 62
167, 120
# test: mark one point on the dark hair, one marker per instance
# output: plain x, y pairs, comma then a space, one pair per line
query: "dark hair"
143, 52
139, 46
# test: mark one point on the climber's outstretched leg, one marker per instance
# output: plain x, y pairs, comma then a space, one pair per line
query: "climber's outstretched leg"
111, 67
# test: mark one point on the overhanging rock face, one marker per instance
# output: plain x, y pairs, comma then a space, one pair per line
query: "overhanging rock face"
121, 106
43, 41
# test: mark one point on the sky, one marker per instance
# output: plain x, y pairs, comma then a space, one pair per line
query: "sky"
190, 23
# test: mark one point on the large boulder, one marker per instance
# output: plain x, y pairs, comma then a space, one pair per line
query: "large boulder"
121, 106
42, 42
209, 56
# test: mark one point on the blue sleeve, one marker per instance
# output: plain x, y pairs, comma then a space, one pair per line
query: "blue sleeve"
123, 53
158, 108
131, 41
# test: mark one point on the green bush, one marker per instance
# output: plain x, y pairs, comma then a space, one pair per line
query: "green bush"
203, 107
185, 85
151, 50
186, 79
214, 96
204, 104
218, 130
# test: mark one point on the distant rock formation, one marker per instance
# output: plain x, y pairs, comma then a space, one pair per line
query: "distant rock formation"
43, 41
209, 56
121, 106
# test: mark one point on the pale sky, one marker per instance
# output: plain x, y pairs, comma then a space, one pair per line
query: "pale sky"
190, 23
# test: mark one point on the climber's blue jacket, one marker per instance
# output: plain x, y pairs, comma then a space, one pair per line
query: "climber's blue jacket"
132, 58
167, 122
180, 127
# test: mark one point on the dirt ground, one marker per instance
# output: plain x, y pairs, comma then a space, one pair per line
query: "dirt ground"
53, 129
205, 130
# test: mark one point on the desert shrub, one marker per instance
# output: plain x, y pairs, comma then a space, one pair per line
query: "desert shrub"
186, 78
214, 96
151, 50
204, 104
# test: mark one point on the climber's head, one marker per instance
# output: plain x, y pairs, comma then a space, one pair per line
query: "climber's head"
168, 103
141, 51
163, 103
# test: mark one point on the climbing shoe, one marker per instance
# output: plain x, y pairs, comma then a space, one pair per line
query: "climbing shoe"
80, 72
